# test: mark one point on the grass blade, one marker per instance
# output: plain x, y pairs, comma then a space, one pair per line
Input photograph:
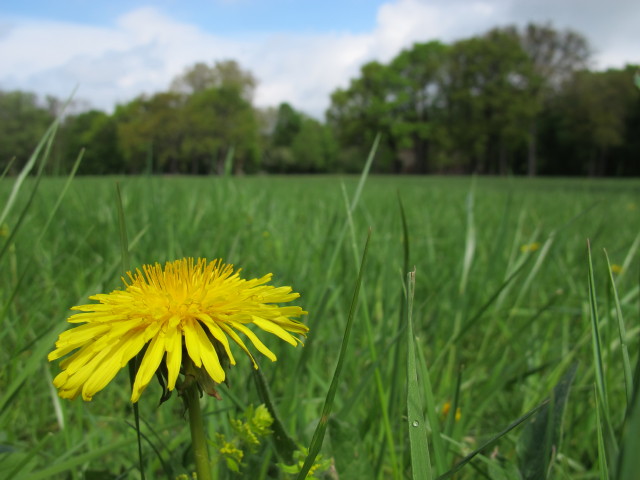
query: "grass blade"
596, 342
602, 451
336, 250
46, 143
595, 336
420, 460
383, 397
71, 176
398, 365
354, 203
470, 242
318, 435
439, 451
8, 167
626, 363
124, 241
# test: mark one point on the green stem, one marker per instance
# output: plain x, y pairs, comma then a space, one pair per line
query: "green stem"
198, 439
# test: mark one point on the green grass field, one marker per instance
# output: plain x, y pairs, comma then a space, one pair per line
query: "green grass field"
500, 313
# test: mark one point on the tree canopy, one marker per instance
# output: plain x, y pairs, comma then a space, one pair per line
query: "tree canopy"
513, 100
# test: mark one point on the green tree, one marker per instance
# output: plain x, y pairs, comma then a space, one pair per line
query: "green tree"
314, 148
97, 133
299, 144
151, 131
224, 74
595, 114
556, 56
23, 121
418, 98
288, 124
368, 107
220, 121
489, 103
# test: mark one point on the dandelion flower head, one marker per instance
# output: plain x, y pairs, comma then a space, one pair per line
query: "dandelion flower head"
186, 309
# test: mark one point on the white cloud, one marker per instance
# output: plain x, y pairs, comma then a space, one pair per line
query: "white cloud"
145, 48
404, 22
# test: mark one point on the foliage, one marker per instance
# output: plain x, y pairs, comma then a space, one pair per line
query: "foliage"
596, 110
489, 101
298, 144
193, 127
97, 133
473, 106
365, 109
23, 121
514, 100
226, 74
246, 437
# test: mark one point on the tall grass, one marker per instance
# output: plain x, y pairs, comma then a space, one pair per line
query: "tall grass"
505, 303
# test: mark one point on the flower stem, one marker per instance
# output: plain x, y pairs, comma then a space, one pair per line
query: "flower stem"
198, 439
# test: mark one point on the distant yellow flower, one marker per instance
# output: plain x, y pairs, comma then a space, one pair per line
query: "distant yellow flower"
530, 247
188, 309
447, 407
615, 268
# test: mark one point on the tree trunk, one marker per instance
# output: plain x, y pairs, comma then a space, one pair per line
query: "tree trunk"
532, 161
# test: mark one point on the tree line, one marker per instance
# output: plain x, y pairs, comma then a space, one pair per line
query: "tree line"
510, 101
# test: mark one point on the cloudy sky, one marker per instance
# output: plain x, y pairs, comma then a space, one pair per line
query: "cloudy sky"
300, 50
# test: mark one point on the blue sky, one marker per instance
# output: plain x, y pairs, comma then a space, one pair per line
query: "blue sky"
233, 17
300, 51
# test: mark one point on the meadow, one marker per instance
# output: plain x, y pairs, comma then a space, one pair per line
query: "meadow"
503, 310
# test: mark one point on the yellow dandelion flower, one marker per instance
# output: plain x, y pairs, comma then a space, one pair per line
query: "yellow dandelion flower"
615, 268
187, 310
530, 247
